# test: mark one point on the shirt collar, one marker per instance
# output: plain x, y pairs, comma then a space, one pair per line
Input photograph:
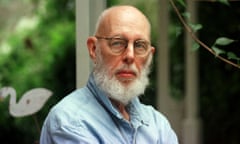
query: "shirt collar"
134, 107
137, 112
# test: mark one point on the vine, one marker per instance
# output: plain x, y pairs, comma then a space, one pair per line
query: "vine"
222, 41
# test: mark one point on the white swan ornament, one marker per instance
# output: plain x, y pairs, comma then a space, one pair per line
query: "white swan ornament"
31, 102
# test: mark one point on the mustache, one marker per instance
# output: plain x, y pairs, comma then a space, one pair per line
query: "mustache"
130, 68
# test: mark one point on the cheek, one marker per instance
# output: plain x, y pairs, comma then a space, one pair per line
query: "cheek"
142, 63
111, 63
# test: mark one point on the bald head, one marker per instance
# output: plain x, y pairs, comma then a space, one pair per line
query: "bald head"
115, 18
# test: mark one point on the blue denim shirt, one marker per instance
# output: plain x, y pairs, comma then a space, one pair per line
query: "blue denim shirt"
86, 116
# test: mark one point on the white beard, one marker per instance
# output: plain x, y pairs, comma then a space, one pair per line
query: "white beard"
114, 88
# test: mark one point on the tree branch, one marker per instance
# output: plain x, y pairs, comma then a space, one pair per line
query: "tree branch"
190, 31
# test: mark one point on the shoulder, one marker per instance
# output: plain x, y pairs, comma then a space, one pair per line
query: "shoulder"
72, 108
154, 114
161, 122
65, 121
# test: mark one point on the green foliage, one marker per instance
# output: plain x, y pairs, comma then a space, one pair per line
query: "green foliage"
195, 46
42, 56
182, 3
223, 41
233, 56
218, 51
195, 27
224, 2
219, 85
186, 14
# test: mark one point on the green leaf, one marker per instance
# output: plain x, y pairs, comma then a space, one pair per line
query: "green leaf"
187, 15
224, 2
218, 51
178, 30
223, 41
195, 46
195, 27
233, 56
182, 3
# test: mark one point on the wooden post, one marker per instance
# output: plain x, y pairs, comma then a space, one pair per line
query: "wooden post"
191, 124
87, 12
165, 103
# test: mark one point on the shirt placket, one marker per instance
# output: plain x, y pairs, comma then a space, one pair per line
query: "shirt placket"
128, 132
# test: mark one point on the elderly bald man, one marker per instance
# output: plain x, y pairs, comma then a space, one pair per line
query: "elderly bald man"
107, 110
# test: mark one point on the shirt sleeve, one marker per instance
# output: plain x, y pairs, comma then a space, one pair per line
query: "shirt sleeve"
171, 137
167, 134
66, 136
58, 131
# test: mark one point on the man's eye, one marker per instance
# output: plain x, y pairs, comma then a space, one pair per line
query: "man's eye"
118, 43
140, 45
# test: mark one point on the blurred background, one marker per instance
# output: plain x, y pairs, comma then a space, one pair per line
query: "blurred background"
38, 49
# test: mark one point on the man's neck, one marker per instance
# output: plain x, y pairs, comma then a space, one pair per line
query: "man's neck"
121, 108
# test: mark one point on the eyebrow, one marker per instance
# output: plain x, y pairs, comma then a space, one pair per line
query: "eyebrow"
124, 38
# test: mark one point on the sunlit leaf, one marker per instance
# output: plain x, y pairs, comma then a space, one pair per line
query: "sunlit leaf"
186, 15
195, 27
218, 51
223, 41
195, 46
182, 2
233, 56
224, 2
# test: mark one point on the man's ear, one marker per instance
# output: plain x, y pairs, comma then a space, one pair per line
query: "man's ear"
153, 50
91, 44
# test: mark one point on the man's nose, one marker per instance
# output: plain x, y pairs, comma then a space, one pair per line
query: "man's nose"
129, 54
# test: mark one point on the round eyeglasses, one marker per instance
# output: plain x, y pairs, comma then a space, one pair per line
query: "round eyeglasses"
118, 45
